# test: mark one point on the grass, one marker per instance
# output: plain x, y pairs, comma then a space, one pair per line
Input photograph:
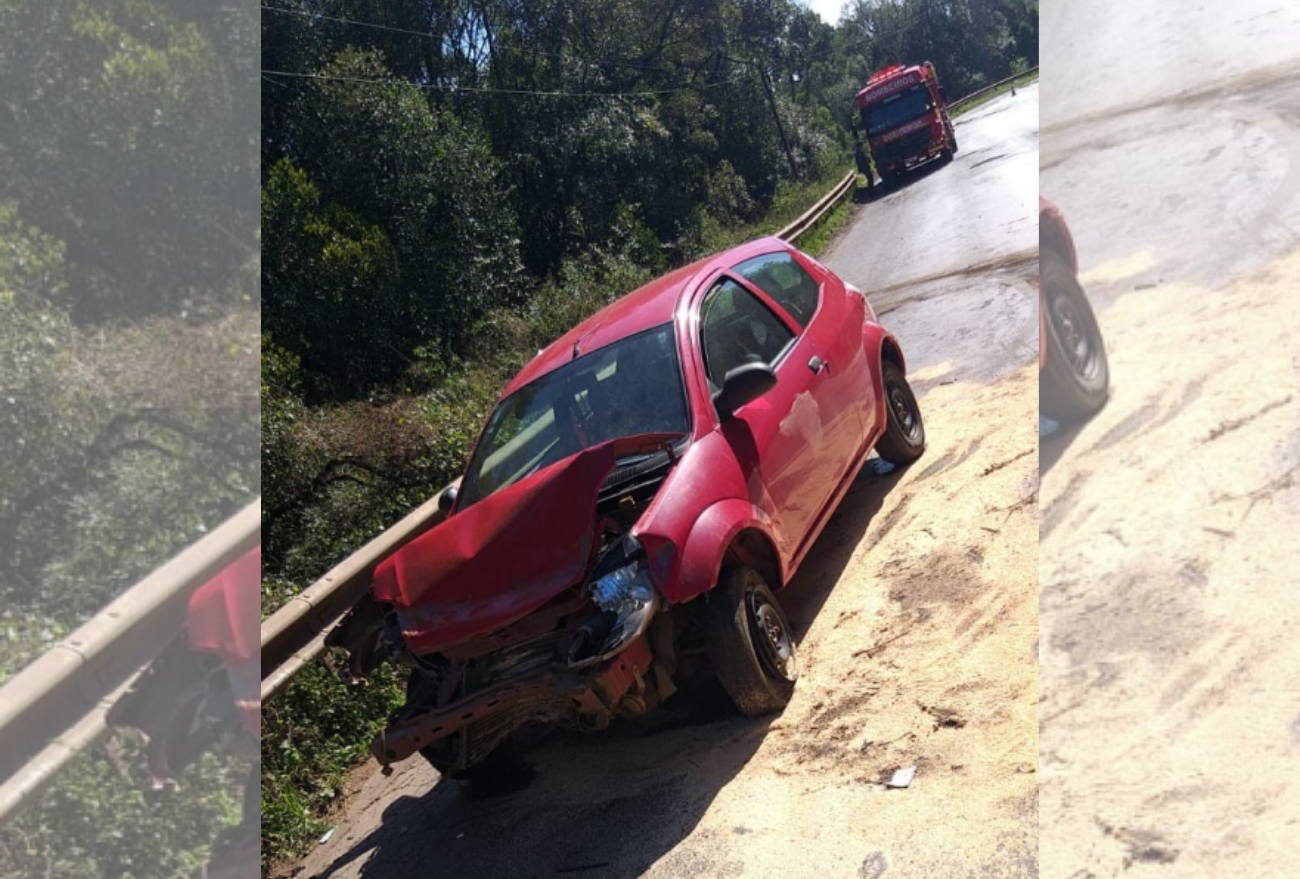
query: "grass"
1022, 79
317, 730
791, 201
816, 239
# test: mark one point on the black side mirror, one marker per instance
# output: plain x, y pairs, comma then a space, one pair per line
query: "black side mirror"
446, 500
744, 384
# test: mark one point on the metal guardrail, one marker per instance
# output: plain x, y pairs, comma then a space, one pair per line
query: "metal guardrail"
818, 211
953, 106
56, 707
295, 634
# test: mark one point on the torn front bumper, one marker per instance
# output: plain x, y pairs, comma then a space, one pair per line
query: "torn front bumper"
591, 698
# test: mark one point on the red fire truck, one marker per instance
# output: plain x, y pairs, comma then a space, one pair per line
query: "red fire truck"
905, 118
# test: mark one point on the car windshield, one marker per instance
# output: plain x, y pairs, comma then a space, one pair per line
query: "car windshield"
896, 110
631, 387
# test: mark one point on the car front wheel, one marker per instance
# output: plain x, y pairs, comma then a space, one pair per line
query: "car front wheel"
904, 438
750, 643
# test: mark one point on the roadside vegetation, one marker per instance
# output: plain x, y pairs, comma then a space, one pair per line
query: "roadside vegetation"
449, 186
129, 299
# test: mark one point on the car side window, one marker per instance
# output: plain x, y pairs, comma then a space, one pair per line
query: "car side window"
779, 276
736, 328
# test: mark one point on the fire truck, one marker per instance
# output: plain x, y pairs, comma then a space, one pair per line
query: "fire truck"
905, 118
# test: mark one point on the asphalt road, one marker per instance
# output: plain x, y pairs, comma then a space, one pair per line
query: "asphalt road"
950, 260
986, 211
1170, 737
916, 614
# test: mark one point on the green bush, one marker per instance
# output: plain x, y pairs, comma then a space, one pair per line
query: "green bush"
313, 733
94, 824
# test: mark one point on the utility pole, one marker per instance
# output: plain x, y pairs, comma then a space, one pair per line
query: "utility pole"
771, 99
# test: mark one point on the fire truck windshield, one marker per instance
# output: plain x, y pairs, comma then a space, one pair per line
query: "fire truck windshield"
896, 110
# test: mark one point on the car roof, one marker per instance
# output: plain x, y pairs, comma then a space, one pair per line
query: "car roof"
648, 306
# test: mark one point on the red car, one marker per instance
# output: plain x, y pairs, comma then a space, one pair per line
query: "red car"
641, 491
1074, 375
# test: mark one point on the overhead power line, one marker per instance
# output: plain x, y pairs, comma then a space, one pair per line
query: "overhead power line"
494, 91
428, 36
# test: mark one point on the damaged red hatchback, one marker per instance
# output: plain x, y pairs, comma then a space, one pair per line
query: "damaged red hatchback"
640, 491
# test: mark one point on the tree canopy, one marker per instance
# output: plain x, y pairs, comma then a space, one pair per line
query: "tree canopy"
464, 149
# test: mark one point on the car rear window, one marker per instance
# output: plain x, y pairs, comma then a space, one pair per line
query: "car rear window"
779, 276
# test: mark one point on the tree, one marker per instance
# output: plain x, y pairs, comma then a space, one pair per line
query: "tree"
120, 150
332, 286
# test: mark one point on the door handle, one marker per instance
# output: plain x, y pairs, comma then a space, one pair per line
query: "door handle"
816, 364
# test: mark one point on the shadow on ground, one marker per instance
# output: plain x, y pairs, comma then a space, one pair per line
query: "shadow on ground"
1053, 446
862, 195
612, 804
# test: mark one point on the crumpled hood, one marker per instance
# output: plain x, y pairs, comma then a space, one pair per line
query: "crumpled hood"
503, 557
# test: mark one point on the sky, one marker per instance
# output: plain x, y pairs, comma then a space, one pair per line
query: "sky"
829, 10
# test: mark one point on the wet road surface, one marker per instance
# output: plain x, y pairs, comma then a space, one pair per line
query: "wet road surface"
915, 613
1169, 564
943, 220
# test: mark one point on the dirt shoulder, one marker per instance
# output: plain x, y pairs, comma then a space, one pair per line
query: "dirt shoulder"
1170, 714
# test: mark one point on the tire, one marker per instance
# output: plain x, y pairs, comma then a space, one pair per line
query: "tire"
1075, 379
904, 437
888, 179
437, 758
503, 771
749, 643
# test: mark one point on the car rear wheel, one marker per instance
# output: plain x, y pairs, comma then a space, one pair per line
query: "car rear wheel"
1075, 379
750, 643
904, 438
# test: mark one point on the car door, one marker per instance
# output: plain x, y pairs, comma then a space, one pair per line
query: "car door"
789, 440
831, 321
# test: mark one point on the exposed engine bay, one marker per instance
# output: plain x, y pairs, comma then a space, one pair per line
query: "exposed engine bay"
600, 646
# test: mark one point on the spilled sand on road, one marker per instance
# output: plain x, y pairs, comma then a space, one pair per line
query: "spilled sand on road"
1171, 716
